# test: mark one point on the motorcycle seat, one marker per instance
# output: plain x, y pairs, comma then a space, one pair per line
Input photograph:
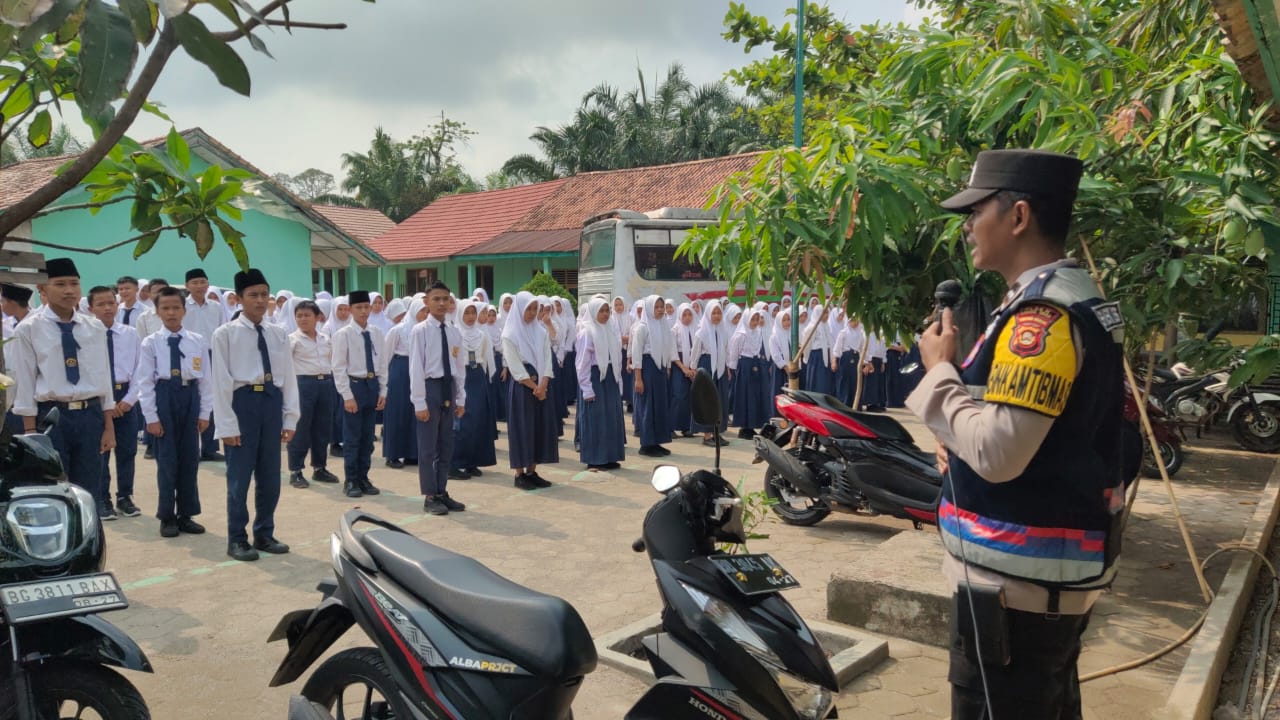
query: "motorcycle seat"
541, 633
884, 426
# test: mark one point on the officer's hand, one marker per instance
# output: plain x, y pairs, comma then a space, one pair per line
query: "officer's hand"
382, 403
155, 429
938, 343
423, 415
350, 406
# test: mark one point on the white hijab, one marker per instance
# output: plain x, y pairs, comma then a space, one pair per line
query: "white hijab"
332, 324
752, 342
713, 339
380, 319
529, 338
658, 337
684, 333
473, 336
607, 343
779, 342
820, 333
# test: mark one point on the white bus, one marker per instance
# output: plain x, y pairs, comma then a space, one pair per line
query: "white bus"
632, 255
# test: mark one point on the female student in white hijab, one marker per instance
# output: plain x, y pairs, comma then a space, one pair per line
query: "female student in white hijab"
399, 428
652, 348
531, 433
498, 385
817, 341
751, 382
779, 345
874, 383
473, 446
378, 313
847, 355
686, 368
711, 348
623, 318
566, 336
334, 322
602, 442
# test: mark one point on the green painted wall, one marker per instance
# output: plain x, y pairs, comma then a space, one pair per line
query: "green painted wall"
280, 248
508, 274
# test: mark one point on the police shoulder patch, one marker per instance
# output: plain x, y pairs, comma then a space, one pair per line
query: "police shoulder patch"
1109, 315
1034, 364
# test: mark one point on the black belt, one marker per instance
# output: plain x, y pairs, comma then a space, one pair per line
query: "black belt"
257, 388
366, 378
180, 382
448, 402
122, 386
319, 378
72, 404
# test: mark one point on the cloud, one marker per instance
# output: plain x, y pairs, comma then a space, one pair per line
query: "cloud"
502, 67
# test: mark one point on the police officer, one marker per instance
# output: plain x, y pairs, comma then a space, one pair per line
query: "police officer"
1033, 495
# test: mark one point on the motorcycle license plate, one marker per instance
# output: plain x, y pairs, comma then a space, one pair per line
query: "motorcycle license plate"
754, 574
63, 597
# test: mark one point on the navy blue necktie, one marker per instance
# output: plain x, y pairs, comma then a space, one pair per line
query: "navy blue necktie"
266, 357
444, 353
175, 356
368, 352
127, 313
111, 354
69, 348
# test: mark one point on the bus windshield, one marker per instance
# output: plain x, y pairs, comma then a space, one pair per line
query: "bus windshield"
656, 259
597, 249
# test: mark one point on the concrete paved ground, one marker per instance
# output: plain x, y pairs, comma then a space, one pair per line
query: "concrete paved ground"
203, 619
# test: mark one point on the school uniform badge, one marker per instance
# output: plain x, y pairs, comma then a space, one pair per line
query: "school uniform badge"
196, 362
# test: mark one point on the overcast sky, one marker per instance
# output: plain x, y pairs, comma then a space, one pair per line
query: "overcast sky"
502, 67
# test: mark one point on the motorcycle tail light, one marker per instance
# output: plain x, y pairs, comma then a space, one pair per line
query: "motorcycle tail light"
40, 526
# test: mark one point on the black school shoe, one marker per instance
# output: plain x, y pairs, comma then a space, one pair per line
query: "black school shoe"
150, 454
169, 528
458, 474
434, 506
241, 551
367, 487
352, 490
525, 481
650, 451
296, 479
453, 505
611, 466
324, 476
271, 545
125, 506
335, 450
190, 527
475, 471
395, 464
539, 480
213, 457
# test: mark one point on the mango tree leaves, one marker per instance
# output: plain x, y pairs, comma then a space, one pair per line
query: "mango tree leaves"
107, 55
215, 54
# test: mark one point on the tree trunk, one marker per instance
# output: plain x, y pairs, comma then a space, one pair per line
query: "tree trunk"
862, 358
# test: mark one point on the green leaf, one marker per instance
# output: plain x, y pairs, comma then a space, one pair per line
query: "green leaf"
108, 53
49, 22
176, 146
215, 54
19, 102
203, 238
1254, 243
235, 240
40, 129
145, 243
143, 17
1173, 271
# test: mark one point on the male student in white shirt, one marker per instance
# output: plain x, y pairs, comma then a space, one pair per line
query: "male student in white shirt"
360, 375
123, 345
313, 366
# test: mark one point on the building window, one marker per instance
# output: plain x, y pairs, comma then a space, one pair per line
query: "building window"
484, 279
419, 279
462, 290
568, 278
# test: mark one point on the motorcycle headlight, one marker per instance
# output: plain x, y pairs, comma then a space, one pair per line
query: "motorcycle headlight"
811, 702
40, 525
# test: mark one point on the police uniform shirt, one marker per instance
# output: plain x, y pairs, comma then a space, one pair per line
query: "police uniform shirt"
203, 319
39, 369
311, 356
154, 365
349, 362
125, 342
999, 438
237, 362
426, 362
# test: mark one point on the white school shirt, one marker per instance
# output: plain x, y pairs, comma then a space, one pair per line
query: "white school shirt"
203, 319
237, 362
514, 362
425, 362
39, 371
126, 343
348, 358
153, 365
397, 341
311, 357
148, 323
135, 312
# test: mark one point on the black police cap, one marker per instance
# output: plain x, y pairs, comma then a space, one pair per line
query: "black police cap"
249, 278
1046, 174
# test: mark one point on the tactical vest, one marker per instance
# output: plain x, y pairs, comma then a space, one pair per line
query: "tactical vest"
1058, 524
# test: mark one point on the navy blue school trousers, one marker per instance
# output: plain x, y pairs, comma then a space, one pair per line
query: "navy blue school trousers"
316, 399
126, 451
78, 439
435, 438
260, 413
178, 450
358, 429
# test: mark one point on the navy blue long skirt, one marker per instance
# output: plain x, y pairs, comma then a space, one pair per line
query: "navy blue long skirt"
653, 424
817, 374
628, 389
399, 431
531, 427
874, 390
498, 389
895, 385
722, 384
847, 376
750, 384
562, 387
473, 441
571, 390
777, 381
912, 379
604, 434
679, 412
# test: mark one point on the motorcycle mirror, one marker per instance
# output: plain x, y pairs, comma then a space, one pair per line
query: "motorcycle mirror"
665, 477
705, 400
49, 422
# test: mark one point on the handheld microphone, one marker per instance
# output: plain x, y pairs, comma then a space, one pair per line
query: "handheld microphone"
947, 296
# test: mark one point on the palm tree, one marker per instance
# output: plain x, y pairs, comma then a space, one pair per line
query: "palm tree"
610, 130
401, 178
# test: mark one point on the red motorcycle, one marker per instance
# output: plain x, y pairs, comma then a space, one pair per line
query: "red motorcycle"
836, 458
1168, 434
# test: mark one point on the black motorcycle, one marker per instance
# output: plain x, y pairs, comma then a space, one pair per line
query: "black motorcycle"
455, 640
54, 649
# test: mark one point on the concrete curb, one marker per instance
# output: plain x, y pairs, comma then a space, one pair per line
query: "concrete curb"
1195, 694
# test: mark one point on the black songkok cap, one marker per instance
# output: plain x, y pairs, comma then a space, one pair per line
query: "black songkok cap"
60, 267
16, 293
355, 297
196, 273
249, 278
1036, 172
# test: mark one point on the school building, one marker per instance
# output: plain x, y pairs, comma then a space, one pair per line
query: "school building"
499, 239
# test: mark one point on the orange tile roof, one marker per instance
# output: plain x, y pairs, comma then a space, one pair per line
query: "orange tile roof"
454, 223
687, 184
23, 178
363, 224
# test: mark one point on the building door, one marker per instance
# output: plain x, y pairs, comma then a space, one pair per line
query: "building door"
484, 279
461, 289
417, 280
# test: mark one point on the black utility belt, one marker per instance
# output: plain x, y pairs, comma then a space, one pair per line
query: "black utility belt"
317, 378
256, 387
89, 404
